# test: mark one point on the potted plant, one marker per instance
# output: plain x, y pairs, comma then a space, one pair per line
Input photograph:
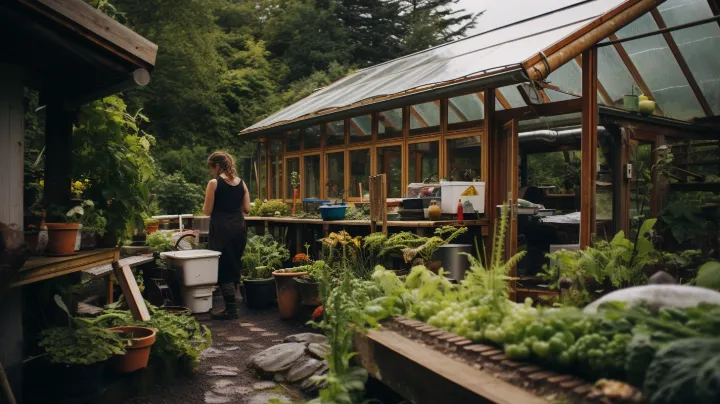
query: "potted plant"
286, 288
262, 256
309, 285
151, 225
139, 341
77, 354
94, 225
62, 236
295, 183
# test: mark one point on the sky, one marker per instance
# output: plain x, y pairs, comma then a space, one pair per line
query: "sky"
503, 12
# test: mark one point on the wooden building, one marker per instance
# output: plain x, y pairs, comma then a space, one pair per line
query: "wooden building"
72, 54
502, 104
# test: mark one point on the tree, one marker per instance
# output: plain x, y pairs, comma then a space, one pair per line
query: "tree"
430, 23
375, 29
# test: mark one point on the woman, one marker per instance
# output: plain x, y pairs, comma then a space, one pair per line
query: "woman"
226, 200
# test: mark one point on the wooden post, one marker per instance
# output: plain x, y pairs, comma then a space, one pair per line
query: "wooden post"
109, 289
378, 200
622, 186
589, 143
58, 153
131, 291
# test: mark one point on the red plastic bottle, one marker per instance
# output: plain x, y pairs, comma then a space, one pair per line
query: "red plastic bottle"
460, 210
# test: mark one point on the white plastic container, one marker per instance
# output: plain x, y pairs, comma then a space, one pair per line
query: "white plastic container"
451, 191
198, 271
196, 267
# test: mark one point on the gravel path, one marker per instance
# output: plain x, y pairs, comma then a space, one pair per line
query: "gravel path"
222, 376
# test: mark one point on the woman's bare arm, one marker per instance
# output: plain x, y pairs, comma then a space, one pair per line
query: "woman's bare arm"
209, 197
246, 200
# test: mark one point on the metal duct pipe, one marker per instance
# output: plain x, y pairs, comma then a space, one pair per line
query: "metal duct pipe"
544, 65
555, 136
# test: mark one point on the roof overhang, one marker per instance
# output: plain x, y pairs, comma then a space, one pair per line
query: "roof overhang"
69, 50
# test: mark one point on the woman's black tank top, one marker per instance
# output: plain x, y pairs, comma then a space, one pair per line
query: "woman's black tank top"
228, 198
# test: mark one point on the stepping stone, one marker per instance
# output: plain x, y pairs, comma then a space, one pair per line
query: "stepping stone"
319, 351
303, 369
257, 346
232, 390
223, 371
212, 398
277, 341
269, 334
278, 358
264, 385
211, 353
231, 348
263, 398
247, 325
306, 338
238, 339
256, 329
221, 334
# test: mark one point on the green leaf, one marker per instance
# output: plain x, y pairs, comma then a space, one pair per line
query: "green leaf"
709, 275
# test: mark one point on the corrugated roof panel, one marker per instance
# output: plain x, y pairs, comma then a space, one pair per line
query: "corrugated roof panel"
500, 48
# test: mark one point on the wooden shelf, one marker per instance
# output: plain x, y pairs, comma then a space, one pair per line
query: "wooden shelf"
393, 223
40, 268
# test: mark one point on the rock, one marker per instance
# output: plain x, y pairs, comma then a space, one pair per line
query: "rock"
307, 338
303, 369
212, 398
278, 358
223, 371
263, 398
661, 278
310, 384
256, 329
211, 353
232, 390
264, 385
231, 348
238, 339
280, 377
658, 296
319, 351
255, 345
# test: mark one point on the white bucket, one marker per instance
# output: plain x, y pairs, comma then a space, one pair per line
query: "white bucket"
451, 194
195, 267
198, 299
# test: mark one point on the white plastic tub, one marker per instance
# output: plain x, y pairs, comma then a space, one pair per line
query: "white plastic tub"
451, 191
198, 299
195, 267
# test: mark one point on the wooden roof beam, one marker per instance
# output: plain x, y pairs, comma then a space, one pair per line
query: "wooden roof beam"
501, 99
683, 64
633, 70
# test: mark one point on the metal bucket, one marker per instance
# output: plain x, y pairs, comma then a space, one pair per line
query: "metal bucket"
453, 262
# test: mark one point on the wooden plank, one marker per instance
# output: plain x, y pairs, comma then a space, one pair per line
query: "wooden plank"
588, 175
11, 145
41, 268
132, 262
502, 100
97, 27
682, 63
425, 376
131, 291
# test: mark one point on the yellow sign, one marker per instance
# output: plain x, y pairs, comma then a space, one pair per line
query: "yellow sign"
470, 191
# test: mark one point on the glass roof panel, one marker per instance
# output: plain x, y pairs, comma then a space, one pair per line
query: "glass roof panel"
496, 49
567, 77
659, 69
429, 112
512, 95
465, 108
699, 47
557, 95
676, 12
614, 75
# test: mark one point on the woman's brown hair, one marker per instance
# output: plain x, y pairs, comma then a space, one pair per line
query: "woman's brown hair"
225, 162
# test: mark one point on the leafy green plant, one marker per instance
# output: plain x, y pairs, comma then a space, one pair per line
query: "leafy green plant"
175, 195
295, 180
255, 210
274, 207
93, 219
684, 221
78, 343
263, 255
159, 242
709, 275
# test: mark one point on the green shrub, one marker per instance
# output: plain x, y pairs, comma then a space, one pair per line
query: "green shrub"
270, 208
175, 195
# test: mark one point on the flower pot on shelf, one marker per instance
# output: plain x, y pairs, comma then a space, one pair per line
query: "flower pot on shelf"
151, 226
137, 353
61, 238
259, 293
309, 291
287, 293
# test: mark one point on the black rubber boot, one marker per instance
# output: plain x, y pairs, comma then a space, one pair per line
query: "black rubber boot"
231, 309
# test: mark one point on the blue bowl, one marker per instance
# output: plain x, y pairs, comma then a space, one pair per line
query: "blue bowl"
333, 212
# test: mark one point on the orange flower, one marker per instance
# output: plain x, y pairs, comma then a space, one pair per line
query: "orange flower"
300, 258
318, 313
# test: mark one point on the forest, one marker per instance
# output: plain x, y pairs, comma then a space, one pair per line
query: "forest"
222, 66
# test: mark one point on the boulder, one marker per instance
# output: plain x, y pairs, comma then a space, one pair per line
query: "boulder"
278, 358
319, 350
307, 338
303, 369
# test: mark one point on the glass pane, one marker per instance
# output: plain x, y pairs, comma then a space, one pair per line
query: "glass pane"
312, 176
361, 129
558, 96
614, 75
276, 144
660, 71
567, 77
292, 165
389, 162
292, 141
676, 12
498, 105
464, 158
311, 137
512, 95
335, 186
424, 116
335, 132
423, 162
390, 124
698, 46
604, 190
276, 177
465, 108
359, 172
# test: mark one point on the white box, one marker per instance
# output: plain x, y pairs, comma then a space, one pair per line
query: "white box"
196, 267
451, 191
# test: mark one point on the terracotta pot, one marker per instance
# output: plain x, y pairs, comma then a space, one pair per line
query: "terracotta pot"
138, 353
309, 292
287, 293
151, 227
32, 239
61, 238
